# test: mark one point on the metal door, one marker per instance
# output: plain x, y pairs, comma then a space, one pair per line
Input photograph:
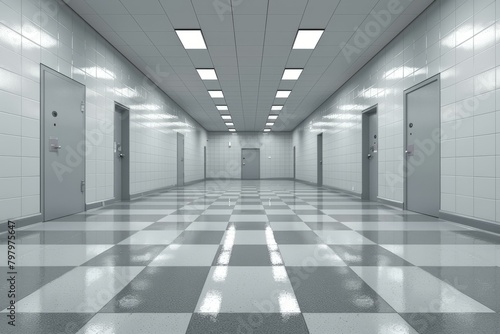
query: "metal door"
121, 153
423, 148
63, 145
320, 159
180, 159
205, 162
372, 155
250, 163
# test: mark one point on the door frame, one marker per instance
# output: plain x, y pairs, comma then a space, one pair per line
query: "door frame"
241, 159
319, 165
43, 70
365, 177
435, 78
294, 163
125, 170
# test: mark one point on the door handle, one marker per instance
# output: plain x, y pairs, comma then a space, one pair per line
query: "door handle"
370, 156
121, 155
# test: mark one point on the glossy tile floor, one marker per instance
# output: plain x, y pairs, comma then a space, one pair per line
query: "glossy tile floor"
255, 257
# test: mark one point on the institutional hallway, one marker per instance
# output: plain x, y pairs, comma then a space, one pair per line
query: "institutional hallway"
255, 257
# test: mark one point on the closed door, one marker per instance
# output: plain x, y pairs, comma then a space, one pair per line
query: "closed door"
121, 153
205, 162
63, 147
372, 155
250, 164
423, 148
320, 160
180, 159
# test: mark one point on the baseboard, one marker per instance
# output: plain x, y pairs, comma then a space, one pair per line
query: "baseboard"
390, 202
221, 178
194, 182
278, 178
22, 222
478, 223
306, 182
150, 192
352, 193
95, 205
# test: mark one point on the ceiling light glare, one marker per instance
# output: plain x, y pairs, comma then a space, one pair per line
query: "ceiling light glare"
216, 94
226, 117
267, 130
269, 124
291, 74
283, 94
192, 39
307, 39
232, 130
222, 108
273, 117
207, 74
277, 108
229, 124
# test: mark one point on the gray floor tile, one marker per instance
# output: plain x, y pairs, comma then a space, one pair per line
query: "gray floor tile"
255, 323
126, 255
160, 290
296, 237
334, 290
327, 226
38, 323
453, 323
199, 238
28, 280
68, 237
250, 225
432, 237
367, 255
283, 218
247, 255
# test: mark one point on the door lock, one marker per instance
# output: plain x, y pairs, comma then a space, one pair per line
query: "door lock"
121, 155
370, 156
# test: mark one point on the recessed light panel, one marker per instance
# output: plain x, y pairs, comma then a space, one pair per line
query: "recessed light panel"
267, 130
216, 94
226, 117
291, 74
222, 108
276, 108
307, 39
207, 74
229, 124
283, 94
232, 130
273, 117
269, 124
192, 39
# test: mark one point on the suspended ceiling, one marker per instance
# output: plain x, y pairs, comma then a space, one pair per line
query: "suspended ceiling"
249, 45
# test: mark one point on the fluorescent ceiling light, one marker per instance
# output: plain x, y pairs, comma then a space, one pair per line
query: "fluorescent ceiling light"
232, 130
226, 116
192, 39
307, 39
222, 108
291, 74
276, 108
267, 130
269, 124
283, 94
273, 117
207, 74
215, 94
229, 124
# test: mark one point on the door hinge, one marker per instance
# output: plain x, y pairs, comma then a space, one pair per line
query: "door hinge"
82, 107
82, 186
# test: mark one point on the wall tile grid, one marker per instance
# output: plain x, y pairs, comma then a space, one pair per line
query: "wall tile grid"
48, 32
457, 38
225, 162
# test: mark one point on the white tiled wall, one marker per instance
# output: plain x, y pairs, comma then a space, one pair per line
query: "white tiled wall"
457, 38
48, 32
276, 154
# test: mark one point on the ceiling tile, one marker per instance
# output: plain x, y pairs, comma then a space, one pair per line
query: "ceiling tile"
154, 22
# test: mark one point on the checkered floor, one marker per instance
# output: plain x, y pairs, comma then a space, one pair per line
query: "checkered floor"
254, 257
